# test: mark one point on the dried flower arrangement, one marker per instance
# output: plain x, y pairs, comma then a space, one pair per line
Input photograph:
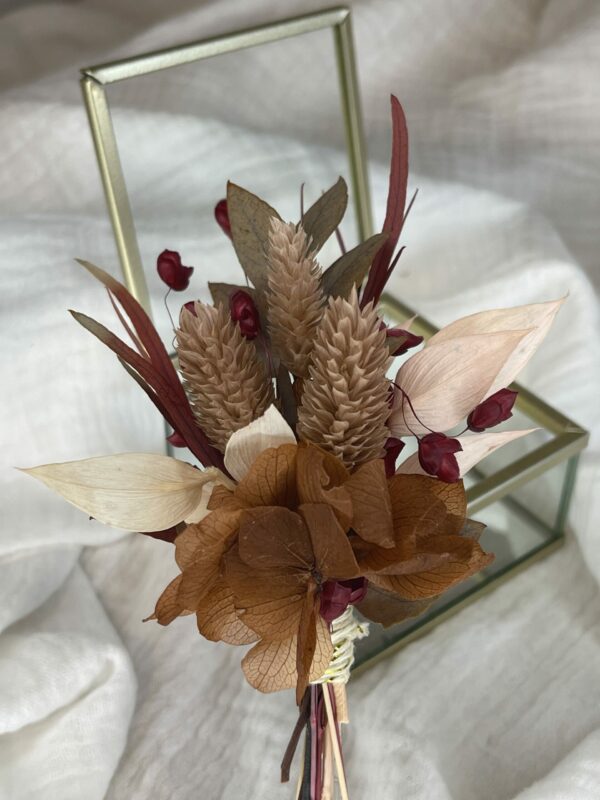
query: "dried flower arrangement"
301, 514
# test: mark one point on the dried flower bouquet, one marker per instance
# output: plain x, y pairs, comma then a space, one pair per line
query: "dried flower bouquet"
301, 513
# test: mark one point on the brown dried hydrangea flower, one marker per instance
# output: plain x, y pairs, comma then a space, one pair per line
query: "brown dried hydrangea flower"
435, 548
253, 570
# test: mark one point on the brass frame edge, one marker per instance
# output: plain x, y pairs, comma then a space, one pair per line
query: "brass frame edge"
94, 79
115, 189
156, 60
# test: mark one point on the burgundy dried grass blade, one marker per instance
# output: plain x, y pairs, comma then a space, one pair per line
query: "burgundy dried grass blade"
171, 394
157, 369
140, 320
396, 202
155, 399
304, 793
314, 742
138, 345
321, 721
288, 756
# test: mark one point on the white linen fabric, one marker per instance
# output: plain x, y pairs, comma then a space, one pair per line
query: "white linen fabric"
499, 702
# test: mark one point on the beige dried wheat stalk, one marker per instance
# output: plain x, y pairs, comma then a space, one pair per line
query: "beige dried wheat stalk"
345, 402
296, 299
227, 384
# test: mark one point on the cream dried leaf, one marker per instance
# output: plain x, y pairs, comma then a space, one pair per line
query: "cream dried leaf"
133, 491
245, 445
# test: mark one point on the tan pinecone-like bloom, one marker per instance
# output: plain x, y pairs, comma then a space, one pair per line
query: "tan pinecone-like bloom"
345, 402
227, 384
296, 299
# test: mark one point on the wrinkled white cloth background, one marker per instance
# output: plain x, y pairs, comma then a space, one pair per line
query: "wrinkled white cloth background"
500, 702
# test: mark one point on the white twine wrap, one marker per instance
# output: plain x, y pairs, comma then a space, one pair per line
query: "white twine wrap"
345, 630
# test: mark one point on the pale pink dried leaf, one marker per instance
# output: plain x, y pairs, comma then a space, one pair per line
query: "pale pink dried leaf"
475, 447
444, 382
537, 317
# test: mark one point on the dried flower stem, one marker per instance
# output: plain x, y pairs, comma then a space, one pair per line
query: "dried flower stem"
335, 744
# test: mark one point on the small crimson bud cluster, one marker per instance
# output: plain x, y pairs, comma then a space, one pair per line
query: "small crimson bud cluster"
393, 448
172, 271
436, 456
177, 277
496, 409
437, 451
222, 217
406, 340
244, 312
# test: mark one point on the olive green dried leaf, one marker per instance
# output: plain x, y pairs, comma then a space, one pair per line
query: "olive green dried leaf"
324, 216
388, 609
351, 269
250, 219
221, 292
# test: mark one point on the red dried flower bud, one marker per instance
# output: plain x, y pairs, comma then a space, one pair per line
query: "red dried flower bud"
436, 456
496, 409
172, 271
393, 447
176, 440
191, 307
245, 313
407, 340
336, 596
222, 217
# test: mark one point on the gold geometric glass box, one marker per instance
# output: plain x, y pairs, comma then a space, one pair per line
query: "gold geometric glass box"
523, 491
